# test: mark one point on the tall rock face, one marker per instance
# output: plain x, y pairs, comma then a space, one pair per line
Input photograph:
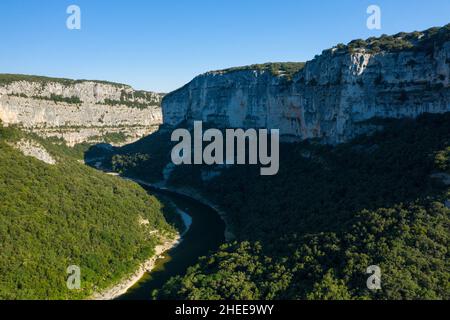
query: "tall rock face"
78, 110
332, 96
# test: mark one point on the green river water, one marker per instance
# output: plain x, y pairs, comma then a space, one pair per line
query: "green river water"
205, 234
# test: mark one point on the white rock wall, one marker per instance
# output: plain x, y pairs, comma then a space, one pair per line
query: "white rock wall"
29, 104
327, 99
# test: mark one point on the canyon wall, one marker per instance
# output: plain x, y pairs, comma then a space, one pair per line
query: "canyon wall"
332, 96
78, 111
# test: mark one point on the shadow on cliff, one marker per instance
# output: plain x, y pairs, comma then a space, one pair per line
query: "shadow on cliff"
144, 159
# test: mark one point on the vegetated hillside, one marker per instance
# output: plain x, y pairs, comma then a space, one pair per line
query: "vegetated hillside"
54, 216
311, 231
144, 159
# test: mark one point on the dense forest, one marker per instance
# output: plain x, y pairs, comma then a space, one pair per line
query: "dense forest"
312, 231
55, 216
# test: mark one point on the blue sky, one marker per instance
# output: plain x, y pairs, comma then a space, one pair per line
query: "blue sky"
160, 45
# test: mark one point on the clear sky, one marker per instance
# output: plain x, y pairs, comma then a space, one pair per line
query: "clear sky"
160, 45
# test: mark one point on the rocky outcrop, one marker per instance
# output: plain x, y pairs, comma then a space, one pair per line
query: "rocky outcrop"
78, 111
33, 149
333, 96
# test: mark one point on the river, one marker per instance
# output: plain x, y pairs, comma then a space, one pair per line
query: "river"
205, 234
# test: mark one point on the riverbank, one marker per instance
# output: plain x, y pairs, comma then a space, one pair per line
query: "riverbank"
123, 286
191, 193
184, 191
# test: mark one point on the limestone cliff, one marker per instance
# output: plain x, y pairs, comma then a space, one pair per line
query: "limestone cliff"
78, 110
330, 97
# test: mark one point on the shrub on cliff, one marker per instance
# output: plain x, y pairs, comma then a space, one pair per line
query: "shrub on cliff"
419, 41
287, 69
